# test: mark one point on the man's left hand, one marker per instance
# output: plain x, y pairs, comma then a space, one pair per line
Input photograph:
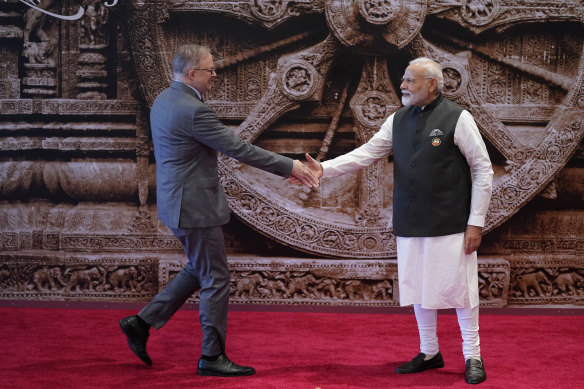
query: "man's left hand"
472, 239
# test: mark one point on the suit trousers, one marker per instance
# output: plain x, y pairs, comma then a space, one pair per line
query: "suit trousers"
206, 269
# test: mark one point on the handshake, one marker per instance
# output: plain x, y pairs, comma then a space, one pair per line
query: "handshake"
306, 174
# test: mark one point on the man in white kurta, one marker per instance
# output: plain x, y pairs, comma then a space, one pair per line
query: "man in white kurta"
434, 272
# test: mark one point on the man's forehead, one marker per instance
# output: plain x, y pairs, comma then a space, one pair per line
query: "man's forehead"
414, 69
207, 58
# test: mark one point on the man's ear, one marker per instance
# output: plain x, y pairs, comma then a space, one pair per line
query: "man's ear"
434, 85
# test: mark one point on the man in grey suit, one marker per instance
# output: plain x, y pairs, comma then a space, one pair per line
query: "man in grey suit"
187, 136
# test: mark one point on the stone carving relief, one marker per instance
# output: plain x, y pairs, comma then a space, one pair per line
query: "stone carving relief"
327, 282
53, 278
40, 38
526, 100
550, 284
93, 45
77, 176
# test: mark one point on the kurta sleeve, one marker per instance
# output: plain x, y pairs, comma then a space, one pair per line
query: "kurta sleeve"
378, 147
470, 142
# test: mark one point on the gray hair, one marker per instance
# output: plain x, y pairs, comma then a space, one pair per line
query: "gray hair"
433, 69
187, 56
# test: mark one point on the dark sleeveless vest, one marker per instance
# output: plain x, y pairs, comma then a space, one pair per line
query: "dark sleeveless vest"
432, 181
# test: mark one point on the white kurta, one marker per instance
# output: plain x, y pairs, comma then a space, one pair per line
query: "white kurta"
433, 271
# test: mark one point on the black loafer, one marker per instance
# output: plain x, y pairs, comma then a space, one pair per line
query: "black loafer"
475, 371
223, 367
418, 364
137, 337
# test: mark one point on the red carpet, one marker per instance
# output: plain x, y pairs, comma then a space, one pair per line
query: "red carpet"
84, 348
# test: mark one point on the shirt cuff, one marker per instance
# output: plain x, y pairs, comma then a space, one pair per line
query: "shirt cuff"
476, 220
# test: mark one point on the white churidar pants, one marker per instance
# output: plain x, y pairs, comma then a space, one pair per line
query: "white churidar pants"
468, 320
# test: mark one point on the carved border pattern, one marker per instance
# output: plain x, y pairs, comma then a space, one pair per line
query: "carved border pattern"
371, 283
67, 107
38, 276
291, 224
279, 281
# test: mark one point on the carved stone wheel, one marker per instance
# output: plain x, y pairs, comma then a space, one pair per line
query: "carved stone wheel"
322, 76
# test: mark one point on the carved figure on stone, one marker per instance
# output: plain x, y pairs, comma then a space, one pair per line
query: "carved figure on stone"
299, 286
4, 277
86, 279
38, 26
34, 21
298, 80
92, 24
268, 7
479, 9
357, 290
327, 287
48, 278
38, 52
491, 285
382, 289
532, 282
568, 283
272, 288
246, 285
126, 278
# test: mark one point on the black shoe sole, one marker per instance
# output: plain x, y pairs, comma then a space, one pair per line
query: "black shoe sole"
217, 374
476, 382
420, 370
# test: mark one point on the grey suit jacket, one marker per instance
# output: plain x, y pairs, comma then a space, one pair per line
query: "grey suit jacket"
187, 136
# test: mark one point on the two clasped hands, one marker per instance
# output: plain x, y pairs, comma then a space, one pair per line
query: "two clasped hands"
308, 174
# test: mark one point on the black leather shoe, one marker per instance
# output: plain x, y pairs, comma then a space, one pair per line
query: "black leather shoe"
418, 364
475, 371
223, 367
137, 337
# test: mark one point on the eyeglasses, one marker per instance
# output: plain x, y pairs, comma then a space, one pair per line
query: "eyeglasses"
210, 70
411, 81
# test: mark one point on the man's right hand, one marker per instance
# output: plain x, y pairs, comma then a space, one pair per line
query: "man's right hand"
313, 167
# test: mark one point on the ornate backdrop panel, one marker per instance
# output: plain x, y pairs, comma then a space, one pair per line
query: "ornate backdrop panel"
77, 175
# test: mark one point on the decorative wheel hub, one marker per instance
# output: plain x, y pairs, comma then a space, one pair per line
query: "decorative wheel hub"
375, 26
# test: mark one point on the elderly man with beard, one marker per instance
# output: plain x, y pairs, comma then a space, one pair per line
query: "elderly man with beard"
442, 188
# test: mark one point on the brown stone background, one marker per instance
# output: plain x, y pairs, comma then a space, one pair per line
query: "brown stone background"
77, 185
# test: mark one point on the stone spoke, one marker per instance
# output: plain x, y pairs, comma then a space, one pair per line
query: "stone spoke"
299, 77
374, 100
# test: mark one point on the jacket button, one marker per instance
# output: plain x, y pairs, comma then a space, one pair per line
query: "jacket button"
412, 201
